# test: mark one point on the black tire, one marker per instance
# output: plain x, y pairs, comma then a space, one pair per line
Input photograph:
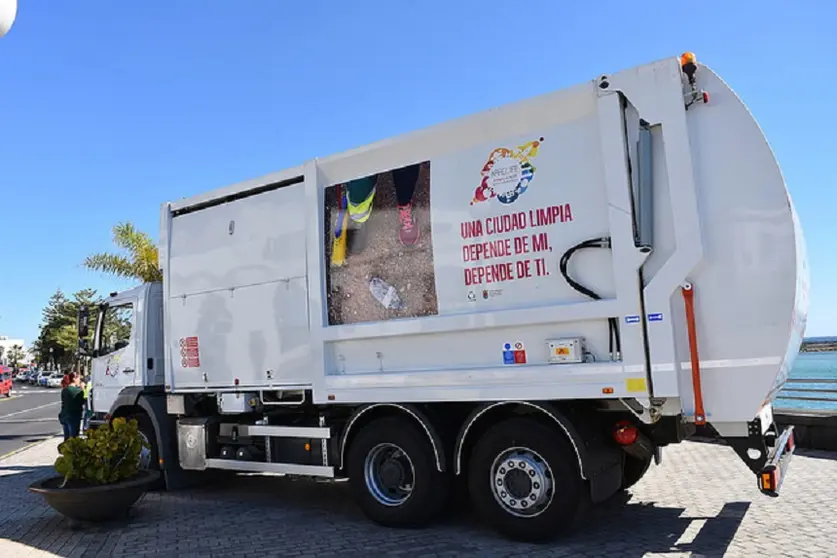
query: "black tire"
633, 470
561, 513
430, 488
146, 428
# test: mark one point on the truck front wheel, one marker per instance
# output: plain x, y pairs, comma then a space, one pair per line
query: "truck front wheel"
393, 474
525, 482
149, 456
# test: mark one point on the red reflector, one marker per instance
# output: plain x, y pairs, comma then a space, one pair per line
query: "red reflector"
705, 97
625, 433
236, 381
791, 443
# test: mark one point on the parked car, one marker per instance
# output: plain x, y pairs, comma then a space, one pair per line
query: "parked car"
42, 378
33, 379
5, 381
54, 380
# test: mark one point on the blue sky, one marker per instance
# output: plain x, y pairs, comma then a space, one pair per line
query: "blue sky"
111, 108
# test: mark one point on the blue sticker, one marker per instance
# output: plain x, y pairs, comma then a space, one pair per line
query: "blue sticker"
508, 357
655, 317
631, 319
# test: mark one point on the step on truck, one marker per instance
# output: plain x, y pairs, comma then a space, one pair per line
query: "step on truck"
522, 307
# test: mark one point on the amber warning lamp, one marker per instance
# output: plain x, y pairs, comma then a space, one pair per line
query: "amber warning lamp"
688, 63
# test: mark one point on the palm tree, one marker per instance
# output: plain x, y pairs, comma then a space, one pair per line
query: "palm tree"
139, 260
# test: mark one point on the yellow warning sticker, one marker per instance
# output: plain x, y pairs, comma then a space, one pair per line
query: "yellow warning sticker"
636, 385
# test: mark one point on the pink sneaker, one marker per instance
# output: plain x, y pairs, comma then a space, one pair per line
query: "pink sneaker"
408, 231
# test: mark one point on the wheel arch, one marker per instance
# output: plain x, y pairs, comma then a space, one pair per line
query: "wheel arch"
481, 418
367, 413
132, 401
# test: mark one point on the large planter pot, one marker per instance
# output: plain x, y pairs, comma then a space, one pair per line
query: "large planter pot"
94, 503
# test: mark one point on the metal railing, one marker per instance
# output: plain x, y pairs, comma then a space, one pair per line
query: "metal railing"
821, 390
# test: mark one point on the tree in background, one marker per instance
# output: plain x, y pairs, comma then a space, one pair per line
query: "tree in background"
15, 356
139, 259
57, 342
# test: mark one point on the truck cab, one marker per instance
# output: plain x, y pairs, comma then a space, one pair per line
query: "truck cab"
127, 352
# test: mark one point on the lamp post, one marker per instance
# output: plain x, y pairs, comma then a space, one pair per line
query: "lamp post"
8, 12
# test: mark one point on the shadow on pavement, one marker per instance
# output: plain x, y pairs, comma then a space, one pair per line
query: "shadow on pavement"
817, 454
28, 438
280, 516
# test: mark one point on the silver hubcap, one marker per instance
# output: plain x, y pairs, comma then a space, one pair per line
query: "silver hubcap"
389, 474
522, 482
145, 454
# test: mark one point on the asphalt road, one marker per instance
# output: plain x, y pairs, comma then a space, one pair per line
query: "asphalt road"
29, 416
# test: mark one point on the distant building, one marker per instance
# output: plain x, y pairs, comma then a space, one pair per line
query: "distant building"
6, 343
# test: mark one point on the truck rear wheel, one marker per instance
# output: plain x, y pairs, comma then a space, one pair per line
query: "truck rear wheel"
634, 470
393, 474
525, 482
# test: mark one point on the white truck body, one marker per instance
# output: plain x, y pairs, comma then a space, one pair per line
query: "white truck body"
686, 195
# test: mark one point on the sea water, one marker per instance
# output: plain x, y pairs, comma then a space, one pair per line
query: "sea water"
811, 366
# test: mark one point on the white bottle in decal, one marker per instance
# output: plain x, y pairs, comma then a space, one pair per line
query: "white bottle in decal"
385, 294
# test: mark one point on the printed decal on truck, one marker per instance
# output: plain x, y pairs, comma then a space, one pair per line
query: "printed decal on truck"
426, 239
112, 365
655, 317
379, 247
507, 173
514, 354
632, 319
190, 352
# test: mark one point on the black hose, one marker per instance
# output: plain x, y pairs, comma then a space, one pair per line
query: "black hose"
603, 242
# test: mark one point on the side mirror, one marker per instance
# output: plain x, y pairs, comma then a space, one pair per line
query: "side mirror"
83, 347
120, 345
83, 322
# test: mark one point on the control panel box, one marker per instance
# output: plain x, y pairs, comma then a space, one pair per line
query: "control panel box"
566, 351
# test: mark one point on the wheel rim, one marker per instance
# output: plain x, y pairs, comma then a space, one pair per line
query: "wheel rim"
390, 474
145, 453
522, 482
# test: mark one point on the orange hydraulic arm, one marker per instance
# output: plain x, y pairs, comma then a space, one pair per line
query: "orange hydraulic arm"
689, 301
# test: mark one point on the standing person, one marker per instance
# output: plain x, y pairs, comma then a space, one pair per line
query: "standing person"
86, 410
72, 405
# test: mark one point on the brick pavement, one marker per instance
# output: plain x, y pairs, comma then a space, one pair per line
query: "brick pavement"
701, 502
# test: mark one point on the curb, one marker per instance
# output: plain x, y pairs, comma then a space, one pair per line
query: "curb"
26, 447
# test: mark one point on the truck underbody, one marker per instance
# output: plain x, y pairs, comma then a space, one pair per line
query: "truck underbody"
431, 454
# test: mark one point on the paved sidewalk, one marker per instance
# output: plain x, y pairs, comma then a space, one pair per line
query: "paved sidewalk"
701, 502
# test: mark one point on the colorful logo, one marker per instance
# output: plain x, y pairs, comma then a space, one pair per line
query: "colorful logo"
112, 366
507, 173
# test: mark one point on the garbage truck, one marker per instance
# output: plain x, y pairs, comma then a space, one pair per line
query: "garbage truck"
520, 308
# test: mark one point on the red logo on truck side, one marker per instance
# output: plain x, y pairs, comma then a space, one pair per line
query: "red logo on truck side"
190, 352
507, 173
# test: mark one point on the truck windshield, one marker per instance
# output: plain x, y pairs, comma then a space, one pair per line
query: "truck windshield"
115, 323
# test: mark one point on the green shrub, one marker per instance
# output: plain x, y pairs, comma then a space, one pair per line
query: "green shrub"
106, 455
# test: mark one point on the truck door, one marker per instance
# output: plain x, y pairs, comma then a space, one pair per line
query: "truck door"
114, 366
